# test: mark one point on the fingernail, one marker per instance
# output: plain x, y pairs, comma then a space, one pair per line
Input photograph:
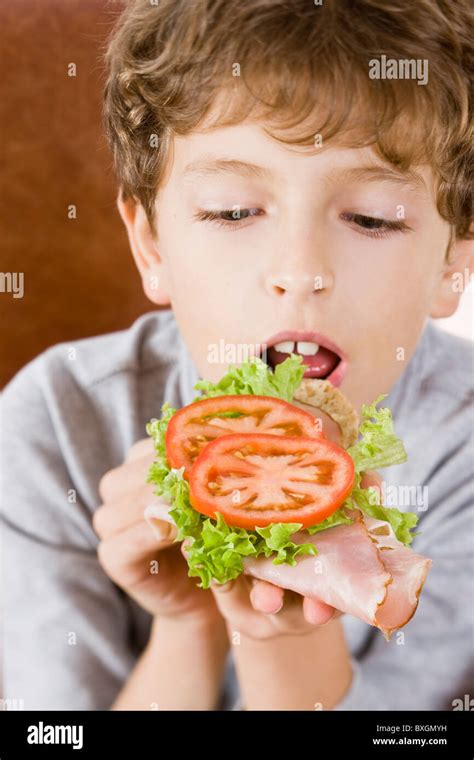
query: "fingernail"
254, 598
280, 607
221, 587
164, 531
162, 526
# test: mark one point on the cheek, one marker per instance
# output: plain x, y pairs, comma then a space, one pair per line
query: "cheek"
392, 281
211, 273
210, 296
207, 287
388, 288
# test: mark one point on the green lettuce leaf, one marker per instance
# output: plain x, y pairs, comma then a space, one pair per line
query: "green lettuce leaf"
379, 447
368, 501
277, 539
337, 518
255, 378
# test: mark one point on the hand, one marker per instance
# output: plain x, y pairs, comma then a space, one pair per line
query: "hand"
261, 610
138, 554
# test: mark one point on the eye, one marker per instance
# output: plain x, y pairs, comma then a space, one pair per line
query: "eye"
228, 217
375, 227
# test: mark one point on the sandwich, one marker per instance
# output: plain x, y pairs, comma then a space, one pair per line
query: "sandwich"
256, 486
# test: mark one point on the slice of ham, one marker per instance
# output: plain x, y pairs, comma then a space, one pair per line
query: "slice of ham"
408, 571
361, 569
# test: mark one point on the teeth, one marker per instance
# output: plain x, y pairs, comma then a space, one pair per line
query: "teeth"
303, 347
307, 348
285, 347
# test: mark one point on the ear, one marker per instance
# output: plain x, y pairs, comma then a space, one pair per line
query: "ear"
145, 251
454, 279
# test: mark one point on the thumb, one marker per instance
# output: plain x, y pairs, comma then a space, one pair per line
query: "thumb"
232, 598
158, 518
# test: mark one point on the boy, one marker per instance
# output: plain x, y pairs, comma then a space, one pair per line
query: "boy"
269, 184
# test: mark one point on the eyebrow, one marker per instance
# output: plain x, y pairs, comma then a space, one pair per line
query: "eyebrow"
407, 178
209, 167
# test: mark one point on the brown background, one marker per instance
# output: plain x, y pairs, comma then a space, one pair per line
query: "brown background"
79, 276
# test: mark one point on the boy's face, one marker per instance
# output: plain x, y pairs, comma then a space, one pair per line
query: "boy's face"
304, 257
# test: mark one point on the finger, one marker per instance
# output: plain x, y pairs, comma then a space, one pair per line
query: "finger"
267, 598
124, 479
317, 612
233, 601
158, 518
290, 618
125, 511
126, 556
140, 449
285, 617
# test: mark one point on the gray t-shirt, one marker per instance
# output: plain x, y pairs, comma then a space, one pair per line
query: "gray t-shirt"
72, 637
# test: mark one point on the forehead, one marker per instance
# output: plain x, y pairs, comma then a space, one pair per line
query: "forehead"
247, 151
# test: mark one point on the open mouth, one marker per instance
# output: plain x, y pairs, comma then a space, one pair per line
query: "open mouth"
321, 357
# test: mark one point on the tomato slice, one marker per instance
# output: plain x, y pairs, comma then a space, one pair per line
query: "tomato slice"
257, 479
193, 427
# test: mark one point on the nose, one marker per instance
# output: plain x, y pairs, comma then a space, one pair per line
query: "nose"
299, 283
300, 258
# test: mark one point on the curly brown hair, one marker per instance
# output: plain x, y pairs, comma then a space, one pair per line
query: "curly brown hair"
300, 69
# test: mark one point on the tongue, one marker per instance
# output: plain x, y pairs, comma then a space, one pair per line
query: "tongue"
319, 365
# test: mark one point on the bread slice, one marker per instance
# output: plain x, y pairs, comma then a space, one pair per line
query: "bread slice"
322, 395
